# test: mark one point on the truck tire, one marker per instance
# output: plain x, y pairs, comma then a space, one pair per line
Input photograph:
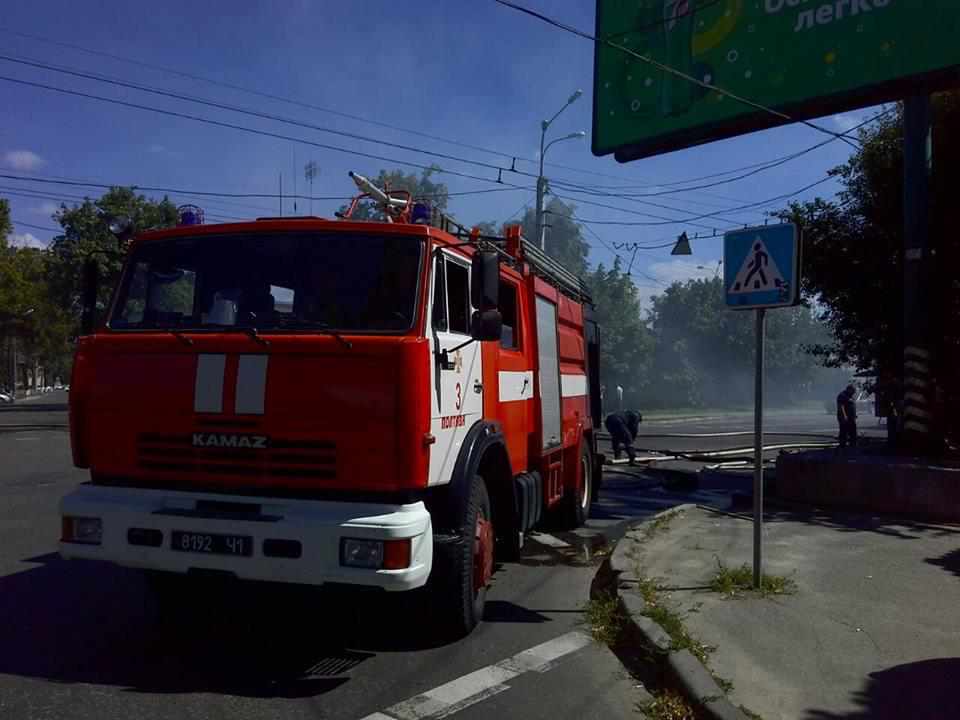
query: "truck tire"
459, 591
576, 508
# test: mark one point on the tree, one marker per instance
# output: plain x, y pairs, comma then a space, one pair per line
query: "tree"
853, 254
420, 187
563, 236
626, 346
6, 227
86, 235
704, 351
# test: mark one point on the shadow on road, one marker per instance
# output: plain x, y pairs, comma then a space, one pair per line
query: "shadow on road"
920, 691
84, 622
891, 526
949, 562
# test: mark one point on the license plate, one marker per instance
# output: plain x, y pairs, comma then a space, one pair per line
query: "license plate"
211, 544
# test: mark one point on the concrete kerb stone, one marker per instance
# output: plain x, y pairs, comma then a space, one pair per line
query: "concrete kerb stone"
686, 672
26, 428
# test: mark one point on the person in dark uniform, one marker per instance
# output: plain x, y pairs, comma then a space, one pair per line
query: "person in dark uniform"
623, 428
847, 416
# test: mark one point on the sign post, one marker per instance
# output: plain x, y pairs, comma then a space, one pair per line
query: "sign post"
761, 314
761, 268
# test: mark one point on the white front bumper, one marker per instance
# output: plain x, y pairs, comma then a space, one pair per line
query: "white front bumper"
317, 525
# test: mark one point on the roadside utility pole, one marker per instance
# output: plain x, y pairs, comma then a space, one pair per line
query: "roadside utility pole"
541, 180
919, 425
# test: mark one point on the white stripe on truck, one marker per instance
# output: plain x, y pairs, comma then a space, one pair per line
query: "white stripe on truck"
208, 387
573, 385
251, 384
515, 385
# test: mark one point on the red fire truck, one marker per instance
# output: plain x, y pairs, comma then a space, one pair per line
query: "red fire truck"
333, 402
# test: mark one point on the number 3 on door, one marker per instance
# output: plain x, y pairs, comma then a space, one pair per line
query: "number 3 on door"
459, 397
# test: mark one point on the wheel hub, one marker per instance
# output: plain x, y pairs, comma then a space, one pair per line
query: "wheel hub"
482, 553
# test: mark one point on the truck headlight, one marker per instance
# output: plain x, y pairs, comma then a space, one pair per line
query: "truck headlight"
84, 530
361, 553
376, 554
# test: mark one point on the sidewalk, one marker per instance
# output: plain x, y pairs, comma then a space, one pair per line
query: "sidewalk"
871, 630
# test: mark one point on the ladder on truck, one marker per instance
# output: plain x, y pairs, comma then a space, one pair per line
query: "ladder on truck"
525, 251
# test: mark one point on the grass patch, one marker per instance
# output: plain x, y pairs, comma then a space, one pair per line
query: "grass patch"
672, 624
605, 618
669, 705
731, 582
749, 713
660, 524
668, 619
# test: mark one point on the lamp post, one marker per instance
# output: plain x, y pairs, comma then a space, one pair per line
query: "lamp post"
541, 180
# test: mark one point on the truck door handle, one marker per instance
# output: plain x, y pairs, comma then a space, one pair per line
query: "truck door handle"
477, 387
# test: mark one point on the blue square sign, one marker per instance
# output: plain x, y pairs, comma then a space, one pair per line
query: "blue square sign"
761, 267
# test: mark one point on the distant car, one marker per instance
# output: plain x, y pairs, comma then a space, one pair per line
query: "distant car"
5, 398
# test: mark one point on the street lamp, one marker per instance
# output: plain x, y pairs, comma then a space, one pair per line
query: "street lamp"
541, 181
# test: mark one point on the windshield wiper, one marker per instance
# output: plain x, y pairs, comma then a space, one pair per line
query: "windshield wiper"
252, 331
180, 336
319, 327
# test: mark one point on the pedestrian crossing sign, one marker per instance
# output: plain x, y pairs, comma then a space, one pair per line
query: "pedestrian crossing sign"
761, 266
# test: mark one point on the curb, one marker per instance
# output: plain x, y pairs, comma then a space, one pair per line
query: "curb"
679, 667
25, 428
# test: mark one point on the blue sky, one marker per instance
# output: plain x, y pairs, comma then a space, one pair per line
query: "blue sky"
475, 72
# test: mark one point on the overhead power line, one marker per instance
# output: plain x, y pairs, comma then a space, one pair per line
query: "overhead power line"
757, 168
705, 216
32, 226
670, 70
208, 193
244, 129
515, 157
304, 141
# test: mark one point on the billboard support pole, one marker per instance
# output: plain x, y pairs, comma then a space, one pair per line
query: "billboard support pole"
758, 451
918, 420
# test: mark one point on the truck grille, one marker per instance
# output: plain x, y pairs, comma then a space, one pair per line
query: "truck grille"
282, 458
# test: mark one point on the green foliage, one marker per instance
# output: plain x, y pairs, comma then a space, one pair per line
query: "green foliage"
732, 582
704, 351
853, 253
86, 234
563, 238
6, 227
669, 705
626, 343
421, 187
604, 616
49, 281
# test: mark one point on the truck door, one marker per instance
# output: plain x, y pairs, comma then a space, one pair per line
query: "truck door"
548, 380
511, 373
457, 390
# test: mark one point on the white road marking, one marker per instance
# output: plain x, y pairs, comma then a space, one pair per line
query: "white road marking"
551, 540
22, 439
481, 684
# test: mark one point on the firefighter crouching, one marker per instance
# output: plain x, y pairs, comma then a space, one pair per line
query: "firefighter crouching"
623, 428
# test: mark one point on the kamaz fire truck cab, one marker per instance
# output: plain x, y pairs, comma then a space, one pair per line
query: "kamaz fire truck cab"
321, 402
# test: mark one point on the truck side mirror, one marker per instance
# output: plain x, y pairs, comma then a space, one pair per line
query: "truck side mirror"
485, 280
88, 297
486, 325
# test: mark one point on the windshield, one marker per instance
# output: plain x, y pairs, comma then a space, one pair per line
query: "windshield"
347, 282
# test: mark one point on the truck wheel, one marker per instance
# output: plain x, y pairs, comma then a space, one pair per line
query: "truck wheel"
461, 588
577, 503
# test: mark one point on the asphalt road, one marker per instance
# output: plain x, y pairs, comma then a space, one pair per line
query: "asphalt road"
85, 640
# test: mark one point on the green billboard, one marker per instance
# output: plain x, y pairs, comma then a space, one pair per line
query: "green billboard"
804, 58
